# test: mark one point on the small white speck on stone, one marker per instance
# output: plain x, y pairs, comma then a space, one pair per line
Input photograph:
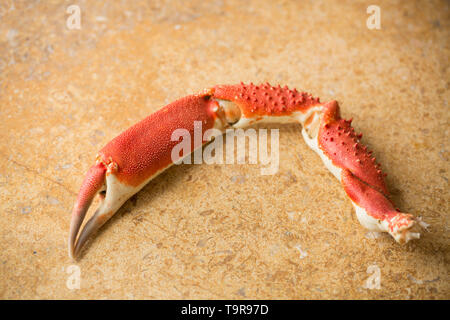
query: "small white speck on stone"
291, 215
177, 27
63, 166
52, 201
100, 18
303, 254
12, 33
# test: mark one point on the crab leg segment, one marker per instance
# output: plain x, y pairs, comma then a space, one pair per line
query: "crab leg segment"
337, 144
127, 163
375, 212
265, 103
361, 177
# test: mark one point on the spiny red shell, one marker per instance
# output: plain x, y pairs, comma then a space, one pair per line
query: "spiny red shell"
145, 148
376, 204
339, 142
265, 99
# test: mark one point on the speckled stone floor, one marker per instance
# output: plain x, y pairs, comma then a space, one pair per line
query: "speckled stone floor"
221, 231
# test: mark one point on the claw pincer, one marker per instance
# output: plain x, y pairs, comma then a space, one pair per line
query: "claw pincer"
127, 163
133, 158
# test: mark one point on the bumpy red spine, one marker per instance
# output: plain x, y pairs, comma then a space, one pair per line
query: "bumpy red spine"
342, 145
264, 99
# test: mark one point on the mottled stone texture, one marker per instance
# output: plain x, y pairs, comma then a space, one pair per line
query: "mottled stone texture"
222, 231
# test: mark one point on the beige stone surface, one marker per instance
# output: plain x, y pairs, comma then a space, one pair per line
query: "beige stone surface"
221, 231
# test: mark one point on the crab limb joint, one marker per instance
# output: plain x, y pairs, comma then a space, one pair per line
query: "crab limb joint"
129, 161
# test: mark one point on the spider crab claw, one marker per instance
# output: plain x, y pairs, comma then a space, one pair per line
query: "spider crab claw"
127, 163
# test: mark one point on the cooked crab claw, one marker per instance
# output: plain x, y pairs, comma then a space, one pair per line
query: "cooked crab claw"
129, 161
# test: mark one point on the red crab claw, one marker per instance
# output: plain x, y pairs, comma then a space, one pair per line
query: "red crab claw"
128, 162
